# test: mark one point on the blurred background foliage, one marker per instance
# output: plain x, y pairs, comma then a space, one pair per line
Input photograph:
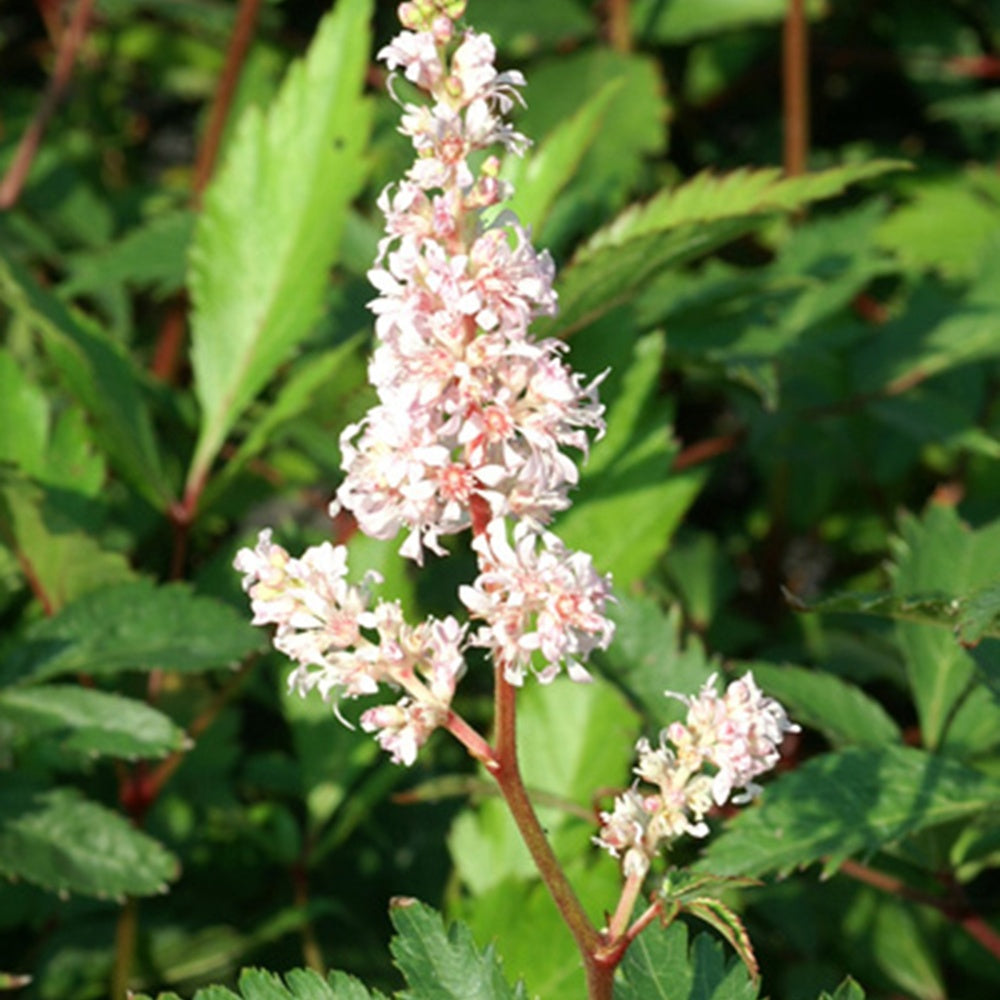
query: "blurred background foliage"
803, 402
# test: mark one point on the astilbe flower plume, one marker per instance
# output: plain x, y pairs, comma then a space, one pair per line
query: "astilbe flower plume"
470, 428
725, 742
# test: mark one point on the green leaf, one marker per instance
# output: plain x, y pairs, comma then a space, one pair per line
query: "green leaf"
633, 129
442, 964
847, 803
629, 503
539, 176
99, 375
271, 226
58, 840
948, 225
659, 966
92, 722
940, 552
842, 712
847, 990
649, 657
291, 401
676, 23
680, 224
133, 626
60, 561
152, 255
716, 914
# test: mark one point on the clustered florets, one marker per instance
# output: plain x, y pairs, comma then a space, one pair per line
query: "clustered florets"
471, 409
724, 743
469, 431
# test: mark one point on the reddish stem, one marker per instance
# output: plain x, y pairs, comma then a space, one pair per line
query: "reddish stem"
953, 907
69, 43
239, 45
170, 342
795, 53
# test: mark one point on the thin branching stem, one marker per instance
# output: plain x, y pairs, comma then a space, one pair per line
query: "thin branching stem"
69, 44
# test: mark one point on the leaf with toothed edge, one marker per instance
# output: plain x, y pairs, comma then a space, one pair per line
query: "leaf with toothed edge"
271, 226
61, 841
91, 722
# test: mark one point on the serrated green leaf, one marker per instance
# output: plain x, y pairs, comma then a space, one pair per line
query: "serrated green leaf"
442, 964
839, 710
291, 400
91, 722
681, 224
848, 803
675, 23
629, 503
133, 626
271, 225
948, 225
659, 966
60, 561
99, 375
716, 914
633, 129
58, 840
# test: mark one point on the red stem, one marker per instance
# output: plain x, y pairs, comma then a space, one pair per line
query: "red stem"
954, 909
69, 43
795, 52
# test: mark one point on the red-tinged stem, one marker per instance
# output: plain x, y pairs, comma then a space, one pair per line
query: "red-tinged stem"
170, 342
626, 904
619, 26
508, 776
795, 45
478, 748
955, 909
69, 43
239, 45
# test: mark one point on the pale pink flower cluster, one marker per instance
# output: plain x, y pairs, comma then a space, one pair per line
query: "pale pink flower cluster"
725, 742
537, 596
469, 429
473, 414
321, 624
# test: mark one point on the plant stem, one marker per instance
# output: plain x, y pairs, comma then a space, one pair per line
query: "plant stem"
508, 776
953, 907
125, 934
69, 43
795, 52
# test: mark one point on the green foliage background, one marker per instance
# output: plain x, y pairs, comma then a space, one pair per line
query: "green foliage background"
801, 476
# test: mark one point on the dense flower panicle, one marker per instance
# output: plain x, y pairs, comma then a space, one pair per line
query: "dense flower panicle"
321, 624
470, 430
723, 744
544, 599
471, 409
